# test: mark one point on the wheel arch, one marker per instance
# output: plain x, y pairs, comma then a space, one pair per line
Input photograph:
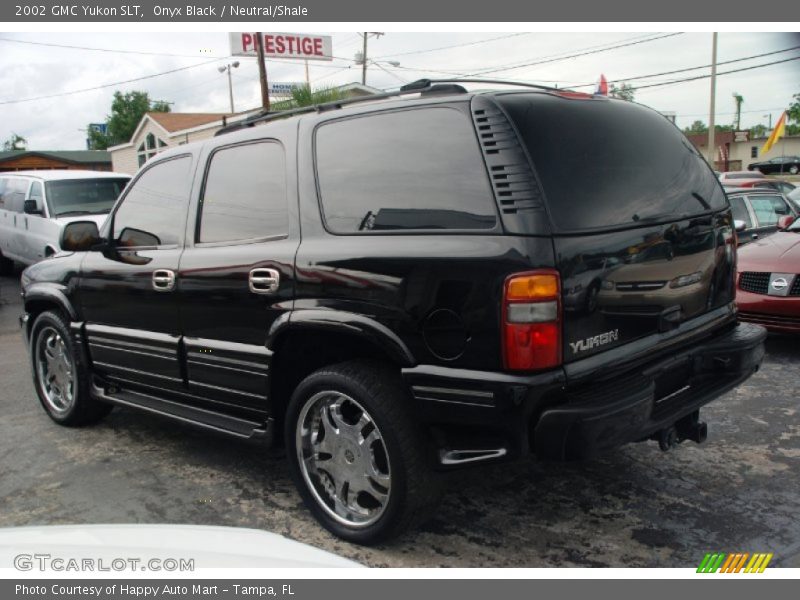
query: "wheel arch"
42, 297
308, 340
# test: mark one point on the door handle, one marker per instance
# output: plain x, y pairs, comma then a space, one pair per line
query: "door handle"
264, 281
163, 280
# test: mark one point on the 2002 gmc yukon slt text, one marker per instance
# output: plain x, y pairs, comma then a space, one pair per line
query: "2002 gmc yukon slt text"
402, 286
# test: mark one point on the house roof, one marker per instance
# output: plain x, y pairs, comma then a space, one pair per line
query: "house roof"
71, 156
173, 122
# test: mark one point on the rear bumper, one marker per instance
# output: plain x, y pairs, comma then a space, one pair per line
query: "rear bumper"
562, 419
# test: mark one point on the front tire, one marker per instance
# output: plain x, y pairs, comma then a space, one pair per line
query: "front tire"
60, 377
358, 458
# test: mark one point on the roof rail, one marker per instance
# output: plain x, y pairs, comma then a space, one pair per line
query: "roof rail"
428, 86
423, 84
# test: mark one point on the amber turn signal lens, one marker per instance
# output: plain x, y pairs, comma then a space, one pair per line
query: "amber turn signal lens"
532, 287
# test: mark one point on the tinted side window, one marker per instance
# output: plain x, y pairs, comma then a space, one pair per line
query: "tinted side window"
245, 194
412, 169
154, 210
740, 212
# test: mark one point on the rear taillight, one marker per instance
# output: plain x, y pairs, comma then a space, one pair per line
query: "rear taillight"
532, 321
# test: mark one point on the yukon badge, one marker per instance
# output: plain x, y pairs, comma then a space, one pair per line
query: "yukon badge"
594, 341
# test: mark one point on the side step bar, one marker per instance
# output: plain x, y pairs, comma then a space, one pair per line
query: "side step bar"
200, 417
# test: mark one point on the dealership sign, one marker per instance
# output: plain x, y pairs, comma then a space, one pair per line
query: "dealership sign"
283, 88
283, 45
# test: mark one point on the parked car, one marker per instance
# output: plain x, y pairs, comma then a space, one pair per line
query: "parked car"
36, 205
769, 280
784, 187
758, 211
782, 164
379, 284
794, 199
732, 177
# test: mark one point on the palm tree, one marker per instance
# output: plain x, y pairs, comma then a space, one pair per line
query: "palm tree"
305, 96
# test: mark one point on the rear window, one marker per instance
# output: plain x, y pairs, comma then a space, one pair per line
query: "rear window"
411, 169
74, 197
605, 163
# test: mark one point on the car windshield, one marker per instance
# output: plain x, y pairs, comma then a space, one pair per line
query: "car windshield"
72, 197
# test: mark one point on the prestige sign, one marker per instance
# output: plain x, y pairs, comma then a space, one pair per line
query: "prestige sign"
283, 45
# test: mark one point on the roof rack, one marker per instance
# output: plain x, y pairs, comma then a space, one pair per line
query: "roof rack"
422, 84
425, 86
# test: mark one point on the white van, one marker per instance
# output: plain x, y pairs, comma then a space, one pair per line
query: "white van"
35, 206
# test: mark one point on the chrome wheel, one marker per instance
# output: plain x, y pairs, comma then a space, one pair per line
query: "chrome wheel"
55, 370
343, 459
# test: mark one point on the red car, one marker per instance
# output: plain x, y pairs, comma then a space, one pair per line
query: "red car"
768, 280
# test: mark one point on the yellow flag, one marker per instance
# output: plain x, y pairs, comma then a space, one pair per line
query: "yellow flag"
777, 133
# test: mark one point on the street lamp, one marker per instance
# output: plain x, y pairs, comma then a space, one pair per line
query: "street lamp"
228, 67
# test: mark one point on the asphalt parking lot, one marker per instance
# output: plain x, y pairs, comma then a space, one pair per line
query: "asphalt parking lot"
638, 507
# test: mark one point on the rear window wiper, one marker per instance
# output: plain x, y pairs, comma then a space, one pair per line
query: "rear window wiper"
636, 218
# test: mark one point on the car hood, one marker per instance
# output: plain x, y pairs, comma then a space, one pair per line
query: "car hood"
779, 252
209, 546
99, 219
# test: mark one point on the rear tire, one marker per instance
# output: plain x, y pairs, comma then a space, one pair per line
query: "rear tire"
359, 460
794, 169
60, 377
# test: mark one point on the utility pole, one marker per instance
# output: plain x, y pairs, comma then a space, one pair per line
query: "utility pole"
308, 79
262, 72
364, 55
711, 126
364, 61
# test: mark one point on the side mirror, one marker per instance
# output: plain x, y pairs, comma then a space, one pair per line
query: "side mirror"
739, 226
32, 207
80, 236
785, 221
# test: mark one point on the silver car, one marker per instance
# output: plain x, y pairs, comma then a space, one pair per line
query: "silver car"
36, 205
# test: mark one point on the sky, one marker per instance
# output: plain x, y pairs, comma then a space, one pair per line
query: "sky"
30, 70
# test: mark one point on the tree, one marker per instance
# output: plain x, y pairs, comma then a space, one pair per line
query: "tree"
739, 100
624, 92
126, 112
15, 142
696, 128
304, 96
793, 113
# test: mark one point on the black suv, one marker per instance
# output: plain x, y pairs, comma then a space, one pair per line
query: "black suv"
393, 288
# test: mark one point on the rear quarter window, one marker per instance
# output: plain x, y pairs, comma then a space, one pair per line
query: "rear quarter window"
418, 169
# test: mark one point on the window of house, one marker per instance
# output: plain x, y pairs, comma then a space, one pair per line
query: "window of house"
149, 148
753, 151
244, 197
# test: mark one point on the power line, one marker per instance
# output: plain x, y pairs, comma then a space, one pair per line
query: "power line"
726, 62
475, 43
106, 85
695, 78
576, 55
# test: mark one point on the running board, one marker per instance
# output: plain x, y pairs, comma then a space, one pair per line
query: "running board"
200, 417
